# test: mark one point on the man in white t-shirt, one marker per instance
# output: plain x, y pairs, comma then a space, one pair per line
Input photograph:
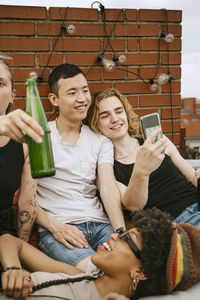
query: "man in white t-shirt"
74, 217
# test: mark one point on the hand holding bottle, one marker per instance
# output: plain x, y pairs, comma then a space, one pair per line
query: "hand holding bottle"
17, 124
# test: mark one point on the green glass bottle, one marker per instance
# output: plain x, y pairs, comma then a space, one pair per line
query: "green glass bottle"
41, 155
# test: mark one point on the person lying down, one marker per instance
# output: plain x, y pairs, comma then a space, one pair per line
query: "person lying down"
154, 257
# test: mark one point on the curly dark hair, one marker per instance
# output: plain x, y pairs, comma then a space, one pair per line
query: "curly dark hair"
156, 230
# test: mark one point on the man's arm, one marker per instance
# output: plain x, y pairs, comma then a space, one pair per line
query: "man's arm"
110, 195
17, 124
27, 202
63, 233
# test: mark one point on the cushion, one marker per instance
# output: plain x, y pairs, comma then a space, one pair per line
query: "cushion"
192, 293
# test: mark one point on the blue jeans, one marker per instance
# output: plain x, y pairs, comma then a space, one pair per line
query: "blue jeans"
95, 233
190, 215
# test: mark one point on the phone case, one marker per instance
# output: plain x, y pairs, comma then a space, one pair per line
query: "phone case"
149, 123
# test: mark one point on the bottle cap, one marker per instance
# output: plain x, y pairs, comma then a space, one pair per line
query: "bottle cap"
33, 75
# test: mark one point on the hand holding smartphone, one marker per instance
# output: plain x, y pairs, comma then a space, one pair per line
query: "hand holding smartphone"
149, 123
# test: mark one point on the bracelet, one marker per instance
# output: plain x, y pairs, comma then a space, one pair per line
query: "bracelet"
12, 268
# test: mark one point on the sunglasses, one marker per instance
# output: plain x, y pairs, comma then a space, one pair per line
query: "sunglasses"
125, 235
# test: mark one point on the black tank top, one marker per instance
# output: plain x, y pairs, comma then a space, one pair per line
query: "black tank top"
11, 165
168, 189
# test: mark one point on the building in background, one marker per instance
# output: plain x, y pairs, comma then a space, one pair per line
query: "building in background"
190, 120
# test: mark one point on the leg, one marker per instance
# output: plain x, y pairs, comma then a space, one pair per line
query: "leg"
58, 251
190, 215
100, 233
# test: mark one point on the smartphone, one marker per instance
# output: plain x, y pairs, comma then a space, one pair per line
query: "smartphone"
149, 123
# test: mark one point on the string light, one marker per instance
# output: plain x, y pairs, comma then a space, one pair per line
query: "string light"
70, 29
122, 59
164, 78
169, 37
109, 65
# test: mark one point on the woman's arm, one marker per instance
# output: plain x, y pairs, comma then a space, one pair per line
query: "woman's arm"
27, 202
15, 252
185, 168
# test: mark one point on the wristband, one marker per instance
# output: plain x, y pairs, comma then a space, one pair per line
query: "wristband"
11, 268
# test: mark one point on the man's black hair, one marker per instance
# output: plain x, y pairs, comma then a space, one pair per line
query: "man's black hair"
62, 71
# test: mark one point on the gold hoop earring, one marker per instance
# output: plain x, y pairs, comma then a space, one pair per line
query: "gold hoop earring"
134, 284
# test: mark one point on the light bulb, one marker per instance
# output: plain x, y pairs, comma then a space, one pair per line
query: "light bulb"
169, 37
71, 29
163, 78
122, 59
108, 64
154, 87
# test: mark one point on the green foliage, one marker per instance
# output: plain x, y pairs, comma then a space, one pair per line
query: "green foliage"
192, 153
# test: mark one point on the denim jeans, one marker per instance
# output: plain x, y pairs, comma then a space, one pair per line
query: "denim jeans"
190, 215
95, 233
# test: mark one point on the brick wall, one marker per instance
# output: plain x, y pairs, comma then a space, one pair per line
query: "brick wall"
28, 34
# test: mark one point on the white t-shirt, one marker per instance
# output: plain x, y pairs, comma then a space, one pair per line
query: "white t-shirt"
70, 195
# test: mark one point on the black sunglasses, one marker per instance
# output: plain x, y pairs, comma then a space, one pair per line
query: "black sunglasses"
125, 235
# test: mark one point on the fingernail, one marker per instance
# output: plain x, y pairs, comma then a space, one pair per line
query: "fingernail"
39, 140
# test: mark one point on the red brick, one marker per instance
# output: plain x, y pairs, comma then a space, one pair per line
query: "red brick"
93, 29
22, 74
24, 44
46, 104
133, 100
129, 87
23, 60
149, 72
81, 45
114, 15
44, 90
175, 85
48, 29
136, 30
20, 103
131, 14
116, 74
176, 30
159, 100
174, 58
98, 86
157, 15
75, 14
117, 44
141, 58
166, 113
56, 59
18, 28
82, 59
92, 73
22, 12
132, 45
152, 44
133, 72
20, 90
143, 112
167, 126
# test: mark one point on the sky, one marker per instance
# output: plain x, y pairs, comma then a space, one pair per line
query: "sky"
190, 82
